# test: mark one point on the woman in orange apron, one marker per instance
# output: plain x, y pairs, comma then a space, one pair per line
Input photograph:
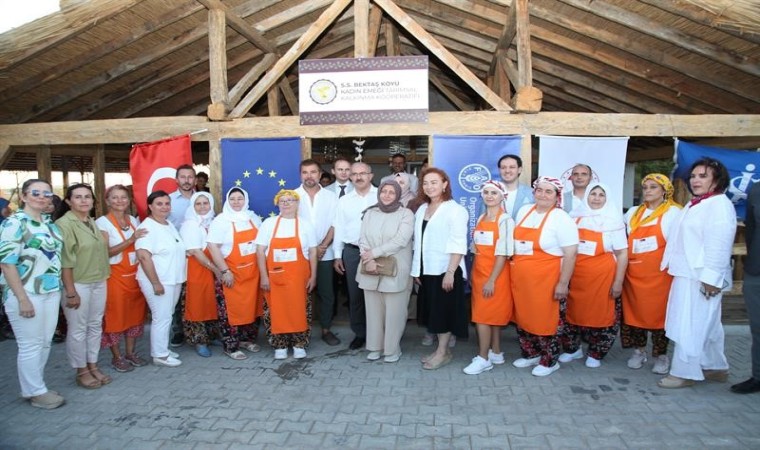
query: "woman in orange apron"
200, 310
232, 237
546, 243
125, 303
646, 287
492, 305
593, 305
287, 255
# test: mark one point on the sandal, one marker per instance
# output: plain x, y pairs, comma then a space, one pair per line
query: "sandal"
250, 346
135, 359
94, 384
433, 366
236, 355
100, 376
121, 365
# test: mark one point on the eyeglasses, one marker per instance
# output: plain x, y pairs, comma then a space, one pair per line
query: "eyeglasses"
37, 193
360, 174
286, 201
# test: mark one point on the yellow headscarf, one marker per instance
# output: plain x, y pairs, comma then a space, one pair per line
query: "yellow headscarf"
667, 186
284, 192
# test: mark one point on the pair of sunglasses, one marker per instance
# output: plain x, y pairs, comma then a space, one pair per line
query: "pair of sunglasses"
37, 193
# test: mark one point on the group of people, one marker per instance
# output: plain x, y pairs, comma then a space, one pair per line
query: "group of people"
564, 268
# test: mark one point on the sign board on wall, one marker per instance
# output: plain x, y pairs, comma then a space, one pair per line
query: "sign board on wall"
363, 90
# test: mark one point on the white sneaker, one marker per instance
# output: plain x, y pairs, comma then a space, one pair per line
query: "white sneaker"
543, 371
393, 358
567, 357
281, 353
593, 363
478, 365
495, 358
174, 355
526, 362
170, 361
452, 341
637, 359
373, 356
661, 365
299, 353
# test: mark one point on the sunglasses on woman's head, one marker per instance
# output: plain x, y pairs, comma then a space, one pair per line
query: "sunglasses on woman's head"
38, 193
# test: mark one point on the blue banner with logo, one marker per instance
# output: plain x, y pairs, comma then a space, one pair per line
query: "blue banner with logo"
743, 169
470, 161
262, 167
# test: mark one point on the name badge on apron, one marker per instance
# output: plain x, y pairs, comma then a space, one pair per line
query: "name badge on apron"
645, 245
587, 248
285, 255
523, 247
483, 237
247, 248
132, 258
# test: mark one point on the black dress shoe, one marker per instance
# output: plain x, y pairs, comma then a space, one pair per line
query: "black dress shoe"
747, 387
330, 338
357, 343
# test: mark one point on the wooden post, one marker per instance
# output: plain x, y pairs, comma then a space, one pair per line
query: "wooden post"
305, 148
524, 62
44, 170
99, 172
217, 48
361, 28
273, 101
65, 170
215, 169
526, 154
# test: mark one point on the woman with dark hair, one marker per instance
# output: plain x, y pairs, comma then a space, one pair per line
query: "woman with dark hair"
231, 242
386, 232
546, 244
646, 285
85, 269
440, 243
698, 256
162, 271
30, 258
125, 303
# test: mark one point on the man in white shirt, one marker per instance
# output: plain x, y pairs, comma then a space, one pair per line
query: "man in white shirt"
398, 165
518, 194
181, 197
342, 170
581, 178
347, 225
317, 206
180, 201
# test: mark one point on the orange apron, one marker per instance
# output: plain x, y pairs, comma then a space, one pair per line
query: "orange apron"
497, 309
200, 296
646, 287
534, 277
589, 303
125, 304
241, 298
288, 272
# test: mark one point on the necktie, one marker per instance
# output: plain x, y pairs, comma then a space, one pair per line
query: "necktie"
342, 191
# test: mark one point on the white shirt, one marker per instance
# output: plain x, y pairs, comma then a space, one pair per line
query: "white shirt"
320, 214
179, 206
666, 219
193, 235
612, 240
559, 230
221, 232
348, 219
287, 229
505, 245
335, 187
445, 234
168, 250
114, 238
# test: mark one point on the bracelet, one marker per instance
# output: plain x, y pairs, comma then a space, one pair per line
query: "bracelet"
71, 296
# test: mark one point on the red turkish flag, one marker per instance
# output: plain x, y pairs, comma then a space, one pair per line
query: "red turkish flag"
153, 167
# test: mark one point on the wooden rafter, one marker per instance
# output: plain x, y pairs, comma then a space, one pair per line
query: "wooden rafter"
375, 20
505, 38
238, 24
361, 29
217, 36
450, 96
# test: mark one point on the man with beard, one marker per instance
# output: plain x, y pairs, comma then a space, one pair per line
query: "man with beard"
181, 197
518, 194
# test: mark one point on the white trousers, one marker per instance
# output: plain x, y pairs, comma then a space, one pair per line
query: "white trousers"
85, 324
693, 324
386, 319
161, 310
33, 337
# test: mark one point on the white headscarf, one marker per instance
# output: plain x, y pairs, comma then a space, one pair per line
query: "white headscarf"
500, 188
230, 214
607, 218
192, 216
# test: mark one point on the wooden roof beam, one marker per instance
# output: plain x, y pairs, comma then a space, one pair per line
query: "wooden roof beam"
668, 34
361, 29
279, 68
505, 38
247, 80
217, 51
375, 20
238, 24
448, 94
443, 54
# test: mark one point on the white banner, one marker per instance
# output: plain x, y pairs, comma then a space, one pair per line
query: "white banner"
605, 156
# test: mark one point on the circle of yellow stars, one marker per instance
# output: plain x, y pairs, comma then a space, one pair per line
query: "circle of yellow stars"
260, 171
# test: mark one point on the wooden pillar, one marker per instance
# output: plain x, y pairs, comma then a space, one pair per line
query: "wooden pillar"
6, 153
361, 28
524, 62
215, 170
273, 101
44, 167
305, 148
65, 171
217, 48
526, 154
99, 172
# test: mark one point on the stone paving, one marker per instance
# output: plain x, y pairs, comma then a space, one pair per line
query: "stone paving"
336, 399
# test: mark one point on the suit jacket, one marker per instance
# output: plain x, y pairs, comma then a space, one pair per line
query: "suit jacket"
388, 234
524, 197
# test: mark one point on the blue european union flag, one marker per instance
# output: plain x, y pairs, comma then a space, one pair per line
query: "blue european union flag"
262, 167
743, 169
